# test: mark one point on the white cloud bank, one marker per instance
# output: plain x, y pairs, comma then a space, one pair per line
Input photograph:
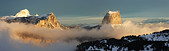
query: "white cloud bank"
21, 37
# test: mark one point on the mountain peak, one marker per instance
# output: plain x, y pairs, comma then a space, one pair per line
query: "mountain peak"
51, 22
36, 15
23, 13
112, 17
52, 13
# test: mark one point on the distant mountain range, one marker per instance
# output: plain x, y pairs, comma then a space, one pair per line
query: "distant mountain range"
50, 21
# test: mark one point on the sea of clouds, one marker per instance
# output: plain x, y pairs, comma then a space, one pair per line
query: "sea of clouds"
66, 40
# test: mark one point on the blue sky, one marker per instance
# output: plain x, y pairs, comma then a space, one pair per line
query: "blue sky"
87, 8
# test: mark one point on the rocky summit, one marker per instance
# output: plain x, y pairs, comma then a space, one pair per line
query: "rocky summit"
112, 17
51, 22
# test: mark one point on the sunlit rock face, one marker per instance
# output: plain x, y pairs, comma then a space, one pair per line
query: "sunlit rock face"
50, 22
112, 17
31, 38
23, 13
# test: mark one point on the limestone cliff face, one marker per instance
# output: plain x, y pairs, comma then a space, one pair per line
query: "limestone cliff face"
112, 17
50, 22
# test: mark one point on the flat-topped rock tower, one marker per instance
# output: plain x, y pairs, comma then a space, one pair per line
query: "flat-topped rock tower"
112, 17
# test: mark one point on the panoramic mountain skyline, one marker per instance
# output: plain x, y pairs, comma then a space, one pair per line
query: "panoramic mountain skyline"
87, 8
84, 25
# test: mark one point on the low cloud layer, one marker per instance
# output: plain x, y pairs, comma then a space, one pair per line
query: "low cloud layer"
157, 20
27, 37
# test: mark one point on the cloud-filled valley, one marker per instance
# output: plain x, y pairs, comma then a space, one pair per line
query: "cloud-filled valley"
67, 38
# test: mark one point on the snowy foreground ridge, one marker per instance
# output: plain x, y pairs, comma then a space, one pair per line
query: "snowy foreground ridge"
157, 41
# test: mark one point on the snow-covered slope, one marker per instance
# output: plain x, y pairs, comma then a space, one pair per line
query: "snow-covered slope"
156, 41
157, 36
23, 13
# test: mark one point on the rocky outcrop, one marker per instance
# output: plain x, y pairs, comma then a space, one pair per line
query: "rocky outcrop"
50, 22
112, 17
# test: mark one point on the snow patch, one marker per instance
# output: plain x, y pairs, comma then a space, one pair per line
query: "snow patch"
112, 12
115, 48
167, 44
156, 37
